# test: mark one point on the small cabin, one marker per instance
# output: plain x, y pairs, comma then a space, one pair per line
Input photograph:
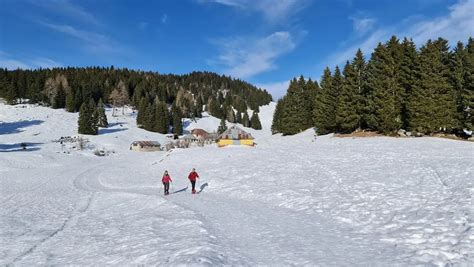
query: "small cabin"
145, 146
235, 136
202, 137
199, 134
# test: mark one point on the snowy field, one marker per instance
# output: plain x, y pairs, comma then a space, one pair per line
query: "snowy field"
288, 201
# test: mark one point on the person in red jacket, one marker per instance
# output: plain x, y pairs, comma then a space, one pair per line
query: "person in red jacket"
193, 176
166, 182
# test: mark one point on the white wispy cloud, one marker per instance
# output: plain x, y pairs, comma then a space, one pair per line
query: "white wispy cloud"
13, 64
43, 62
246, 57
238, 3
456, 25
367, 45
68, 9
10, 62
274, 11
94, 42
362, 25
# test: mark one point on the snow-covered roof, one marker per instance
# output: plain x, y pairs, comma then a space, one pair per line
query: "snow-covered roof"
199, 132
189, 137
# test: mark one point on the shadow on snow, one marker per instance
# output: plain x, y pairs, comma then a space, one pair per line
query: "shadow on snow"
204, 185
109, 131
16, 127
20, 147
180, 190
112, 124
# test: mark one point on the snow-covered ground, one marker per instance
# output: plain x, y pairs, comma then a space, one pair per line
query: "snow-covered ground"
287, 201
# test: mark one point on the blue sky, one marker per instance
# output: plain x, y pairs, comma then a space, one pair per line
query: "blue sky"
265, 42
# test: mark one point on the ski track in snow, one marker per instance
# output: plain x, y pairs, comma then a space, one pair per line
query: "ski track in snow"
217, 248
289, 201
82, 208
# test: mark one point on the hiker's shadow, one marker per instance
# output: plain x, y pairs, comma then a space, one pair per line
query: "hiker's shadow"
204, 185
181, 190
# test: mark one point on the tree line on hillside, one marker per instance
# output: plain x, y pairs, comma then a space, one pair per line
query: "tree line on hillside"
162, 100
427, 90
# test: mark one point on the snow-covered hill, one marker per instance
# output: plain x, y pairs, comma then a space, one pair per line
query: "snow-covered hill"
287, 201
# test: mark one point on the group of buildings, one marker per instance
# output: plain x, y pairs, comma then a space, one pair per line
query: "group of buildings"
199, 137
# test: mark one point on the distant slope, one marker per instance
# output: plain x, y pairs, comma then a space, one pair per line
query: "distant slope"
37, 124
210, 123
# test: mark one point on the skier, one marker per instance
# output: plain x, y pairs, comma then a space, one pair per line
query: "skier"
193, 175
166, 182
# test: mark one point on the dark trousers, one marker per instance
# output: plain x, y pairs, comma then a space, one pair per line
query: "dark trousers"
193, 184
167, 188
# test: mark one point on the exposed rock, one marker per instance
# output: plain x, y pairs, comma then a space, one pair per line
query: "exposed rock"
417, 134
401, 132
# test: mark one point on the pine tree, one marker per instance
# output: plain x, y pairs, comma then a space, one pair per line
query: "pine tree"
277, 117
222, 127
70, 102
11, 95
102, 117
215, 109
467, 94
458, 80
59, 99
348, 117
177, 121
255, 122
312, 91
291, 120
94, 119
297, 112
326, 103
407, 76
220, 99
142, 112
86, 120
78, 100
238, 117
432, 106
199, 105
386, 93
228, 99
149, 120
333, 99
161, 117
165, 120
359, 66
83, 122
197, 109
246, 119
230, 114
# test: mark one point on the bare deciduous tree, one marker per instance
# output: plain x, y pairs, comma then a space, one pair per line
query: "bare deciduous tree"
119, 97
